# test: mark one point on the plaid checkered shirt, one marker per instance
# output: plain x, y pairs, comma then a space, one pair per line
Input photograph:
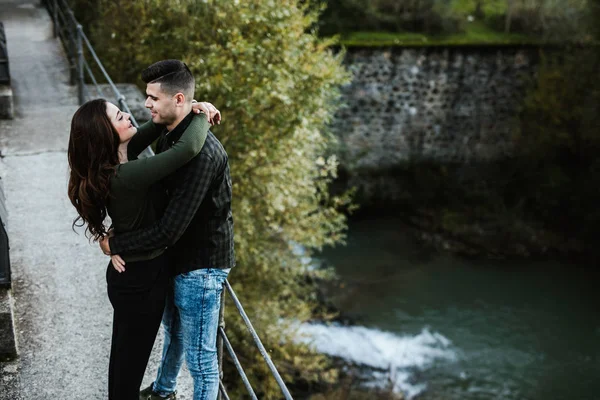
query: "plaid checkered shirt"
197, 226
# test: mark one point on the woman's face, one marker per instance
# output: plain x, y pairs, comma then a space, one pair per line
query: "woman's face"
121, 122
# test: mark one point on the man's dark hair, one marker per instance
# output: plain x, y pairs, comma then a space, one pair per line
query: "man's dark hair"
173, 75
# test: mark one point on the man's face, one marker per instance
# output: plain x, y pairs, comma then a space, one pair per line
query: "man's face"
161, 105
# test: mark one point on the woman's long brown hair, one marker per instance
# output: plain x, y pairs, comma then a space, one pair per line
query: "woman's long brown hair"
93, 157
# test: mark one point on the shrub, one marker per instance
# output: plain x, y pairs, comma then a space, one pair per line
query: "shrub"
560, 144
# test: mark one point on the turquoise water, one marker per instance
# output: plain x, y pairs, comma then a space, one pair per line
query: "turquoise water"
517, 330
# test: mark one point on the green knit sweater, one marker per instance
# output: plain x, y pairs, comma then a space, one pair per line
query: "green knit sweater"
136, 201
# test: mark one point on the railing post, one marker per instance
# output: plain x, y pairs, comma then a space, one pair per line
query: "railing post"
72, 52
220, 339
55, 16
80, 77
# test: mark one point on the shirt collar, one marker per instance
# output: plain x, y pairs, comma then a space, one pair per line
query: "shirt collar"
176, 133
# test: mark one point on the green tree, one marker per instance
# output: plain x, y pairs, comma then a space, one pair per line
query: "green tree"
277, 85
430, 16
559, 142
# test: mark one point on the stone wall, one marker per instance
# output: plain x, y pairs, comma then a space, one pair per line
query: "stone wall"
435, 104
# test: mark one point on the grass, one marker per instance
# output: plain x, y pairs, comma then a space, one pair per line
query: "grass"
476, 33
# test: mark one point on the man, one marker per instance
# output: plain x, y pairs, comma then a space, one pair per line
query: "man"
197, 228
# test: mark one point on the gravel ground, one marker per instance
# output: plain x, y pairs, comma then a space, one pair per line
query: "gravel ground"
62, 314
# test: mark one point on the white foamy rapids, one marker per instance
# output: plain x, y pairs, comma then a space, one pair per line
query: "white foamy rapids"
382, 350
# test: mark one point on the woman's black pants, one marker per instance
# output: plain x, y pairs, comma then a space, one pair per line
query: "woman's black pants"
138, 299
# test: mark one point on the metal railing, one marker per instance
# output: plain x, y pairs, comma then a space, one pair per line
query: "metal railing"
76, 45
261, 348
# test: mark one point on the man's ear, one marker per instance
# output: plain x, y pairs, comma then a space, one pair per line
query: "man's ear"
179, 99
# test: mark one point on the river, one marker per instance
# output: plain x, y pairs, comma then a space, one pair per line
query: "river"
454, 329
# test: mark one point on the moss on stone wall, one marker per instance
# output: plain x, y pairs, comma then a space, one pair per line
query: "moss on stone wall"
475, 33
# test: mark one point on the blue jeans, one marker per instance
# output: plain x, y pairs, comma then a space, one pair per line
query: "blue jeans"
190, 323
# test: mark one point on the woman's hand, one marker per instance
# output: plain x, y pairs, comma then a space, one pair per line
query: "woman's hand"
213, 115
105, 244
118, 263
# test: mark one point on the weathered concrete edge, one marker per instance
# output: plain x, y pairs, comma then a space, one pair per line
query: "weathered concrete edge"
7, 109
8, 337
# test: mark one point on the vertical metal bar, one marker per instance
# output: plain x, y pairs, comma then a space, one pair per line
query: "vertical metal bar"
237, 364
259, 344
55, 16
220, 339
222, 391
72, 51
80, 77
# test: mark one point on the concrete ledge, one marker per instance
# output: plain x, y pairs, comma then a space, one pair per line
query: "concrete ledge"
10, 388
6, 102
8, 341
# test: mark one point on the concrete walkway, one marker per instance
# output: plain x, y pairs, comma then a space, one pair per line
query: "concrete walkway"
62, 314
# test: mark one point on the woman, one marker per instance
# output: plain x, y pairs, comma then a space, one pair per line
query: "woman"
106, 178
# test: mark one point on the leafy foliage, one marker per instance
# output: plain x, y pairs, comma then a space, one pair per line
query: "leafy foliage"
560, 143
276, 84
426, 16
456, 21
545, 197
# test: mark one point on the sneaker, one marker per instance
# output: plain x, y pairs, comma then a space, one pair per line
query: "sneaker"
150, 394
